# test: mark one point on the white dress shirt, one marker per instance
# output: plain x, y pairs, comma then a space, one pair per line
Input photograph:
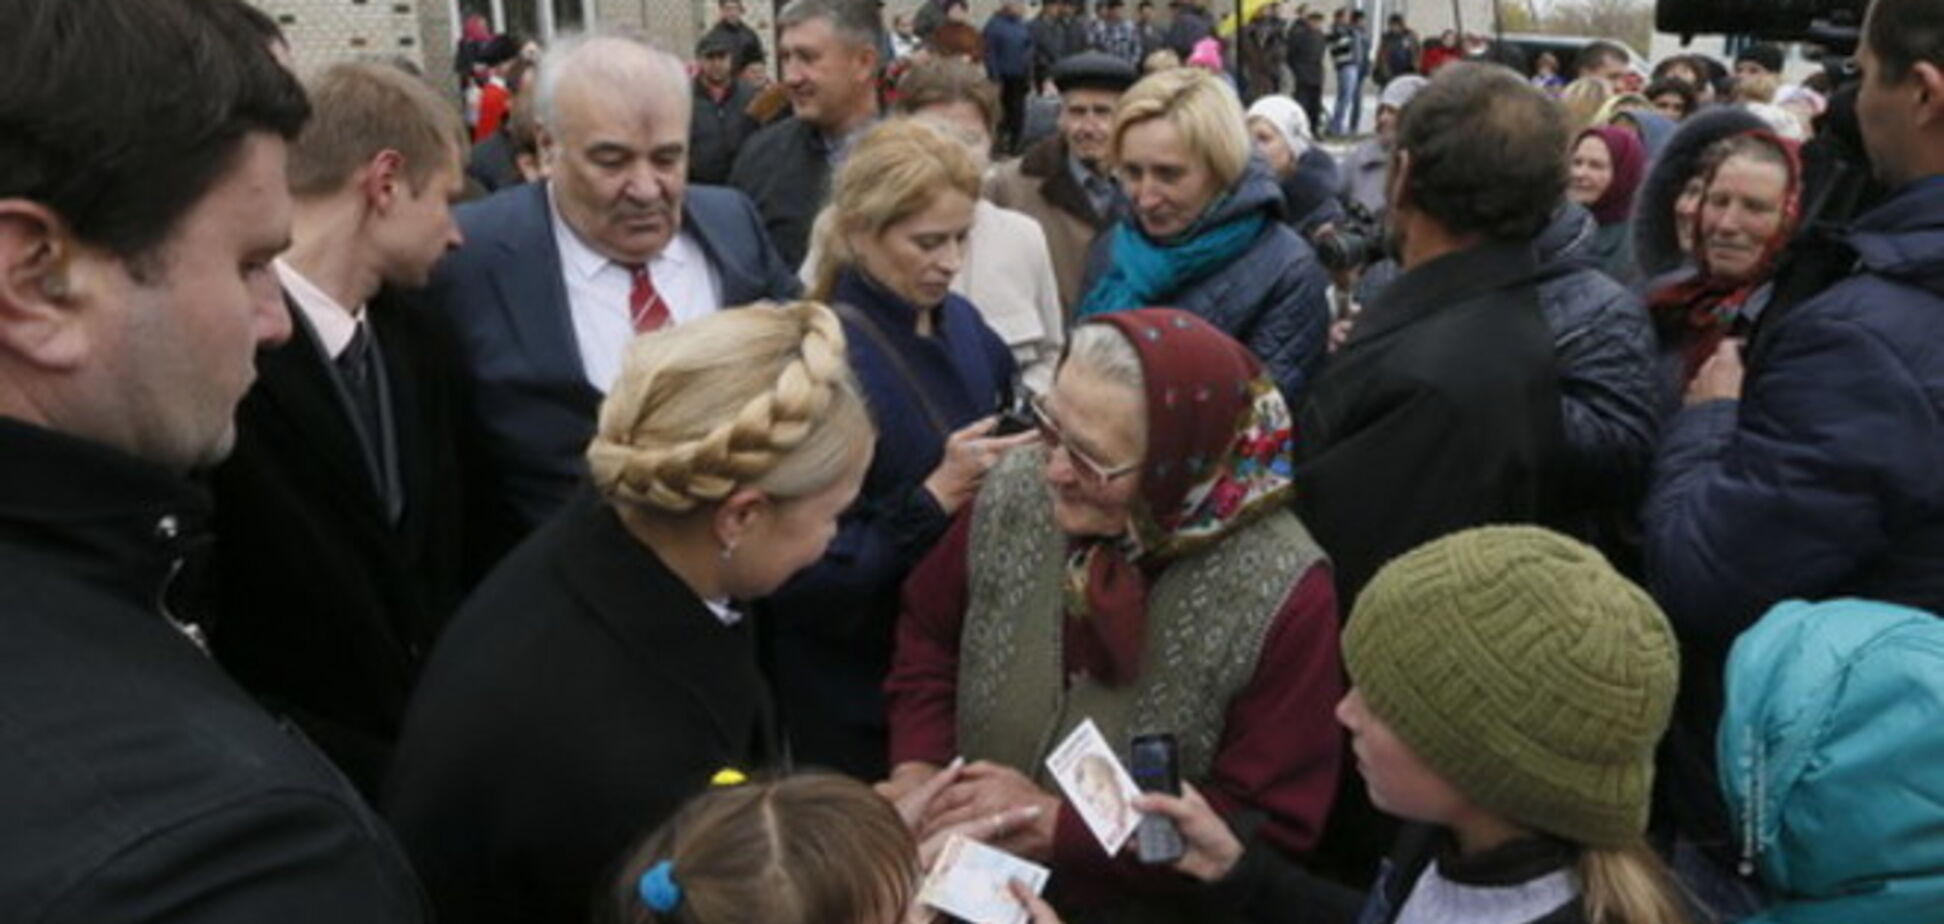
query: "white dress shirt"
333, 323
597, 295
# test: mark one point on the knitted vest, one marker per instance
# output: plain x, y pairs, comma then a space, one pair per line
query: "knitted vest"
1208, 613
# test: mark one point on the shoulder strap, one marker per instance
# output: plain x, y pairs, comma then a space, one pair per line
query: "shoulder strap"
863, 322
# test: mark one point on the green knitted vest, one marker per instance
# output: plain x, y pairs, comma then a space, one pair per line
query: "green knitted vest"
1207, 616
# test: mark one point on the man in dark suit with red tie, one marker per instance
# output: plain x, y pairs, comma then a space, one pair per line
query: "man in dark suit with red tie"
338, 553
556, 278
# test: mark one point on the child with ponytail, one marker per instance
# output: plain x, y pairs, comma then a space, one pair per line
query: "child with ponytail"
1509, 688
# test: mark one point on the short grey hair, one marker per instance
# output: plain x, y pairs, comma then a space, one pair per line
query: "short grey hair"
623, 59
1103, 350
855, 21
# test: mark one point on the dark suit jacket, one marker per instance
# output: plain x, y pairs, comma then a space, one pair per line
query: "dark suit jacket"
323, 607
504, 292
580, 697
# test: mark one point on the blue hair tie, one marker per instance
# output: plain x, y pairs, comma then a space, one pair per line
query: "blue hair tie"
658, 889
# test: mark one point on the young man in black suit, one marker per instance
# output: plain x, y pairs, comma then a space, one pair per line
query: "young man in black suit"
338, 550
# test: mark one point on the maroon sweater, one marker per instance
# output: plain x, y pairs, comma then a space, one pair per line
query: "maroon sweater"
1280, 748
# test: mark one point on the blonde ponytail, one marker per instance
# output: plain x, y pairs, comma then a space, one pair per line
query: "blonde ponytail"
760, 396
1629, 885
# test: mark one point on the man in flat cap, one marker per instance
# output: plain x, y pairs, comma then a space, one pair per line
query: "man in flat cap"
1063, 182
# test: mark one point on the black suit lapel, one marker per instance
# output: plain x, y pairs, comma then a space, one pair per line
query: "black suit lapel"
300, 402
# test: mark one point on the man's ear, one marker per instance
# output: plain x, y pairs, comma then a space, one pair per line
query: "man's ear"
1397, 180
1930, 94
382, 180
40, 285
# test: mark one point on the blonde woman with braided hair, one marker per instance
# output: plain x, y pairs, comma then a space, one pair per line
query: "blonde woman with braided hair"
602, 674
936, 377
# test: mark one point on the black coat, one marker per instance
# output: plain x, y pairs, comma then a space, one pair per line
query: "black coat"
785, 169
138, 783
1440, 413
1306, 44
717, 131
580, 697
322, 606
1265, 888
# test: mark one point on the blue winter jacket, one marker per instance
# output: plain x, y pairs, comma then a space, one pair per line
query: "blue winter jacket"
1827, 478
1830, 750
1271, 298
1008, 47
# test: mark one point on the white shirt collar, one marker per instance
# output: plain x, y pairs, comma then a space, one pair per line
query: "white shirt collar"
725, 611
333, 323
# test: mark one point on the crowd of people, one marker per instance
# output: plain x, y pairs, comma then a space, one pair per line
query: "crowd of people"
626, 488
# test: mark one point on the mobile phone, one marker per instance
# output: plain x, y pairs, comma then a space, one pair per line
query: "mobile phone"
1016, 419
1154, 764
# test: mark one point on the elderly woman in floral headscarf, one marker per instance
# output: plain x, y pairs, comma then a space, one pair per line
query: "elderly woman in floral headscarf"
1140, 568
1747, 214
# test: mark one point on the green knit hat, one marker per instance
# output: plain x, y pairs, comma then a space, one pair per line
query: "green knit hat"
1525, 671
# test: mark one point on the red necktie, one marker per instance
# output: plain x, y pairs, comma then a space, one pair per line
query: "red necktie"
646, 309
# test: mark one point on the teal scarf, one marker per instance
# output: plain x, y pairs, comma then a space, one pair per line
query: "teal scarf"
1141, 273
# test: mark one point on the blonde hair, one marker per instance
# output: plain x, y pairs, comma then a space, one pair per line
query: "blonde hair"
897, 170
1628, 885
359, 109
760, 396
1202, 108
1161, 59
1583, 99
810, 849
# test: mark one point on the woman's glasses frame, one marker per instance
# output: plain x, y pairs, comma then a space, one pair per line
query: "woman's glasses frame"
1090, 469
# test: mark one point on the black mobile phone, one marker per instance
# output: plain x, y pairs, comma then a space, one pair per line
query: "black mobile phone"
1154, 764
1016, 418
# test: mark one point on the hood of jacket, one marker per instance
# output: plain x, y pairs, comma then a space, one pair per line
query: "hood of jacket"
1567, 237
1656, 249
1829, 750
1257, 191
1903, 238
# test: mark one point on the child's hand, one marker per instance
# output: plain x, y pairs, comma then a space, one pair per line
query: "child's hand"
1211, 849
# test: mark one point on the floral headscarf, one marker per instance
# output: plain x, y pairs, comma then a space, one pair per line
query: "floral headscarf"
1218, 456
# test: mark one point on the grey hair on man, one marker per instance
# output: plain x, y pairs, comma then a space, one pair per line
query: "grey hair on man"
855, 21
615, 58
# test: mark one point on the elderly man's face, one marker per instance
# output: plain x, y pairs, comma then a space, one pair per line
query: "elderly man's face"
619, 163
1087, 122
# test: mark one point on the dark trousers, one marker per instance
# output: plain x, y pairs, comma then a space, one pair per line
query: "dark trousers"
1310, 97
1012, 111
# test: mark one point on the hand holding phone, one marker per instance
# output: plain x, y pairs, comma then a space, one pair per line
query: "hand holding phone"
1154, 765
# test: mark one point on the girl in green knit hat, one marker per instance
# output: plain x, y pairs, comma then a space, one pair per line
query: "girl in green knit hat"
1509, 688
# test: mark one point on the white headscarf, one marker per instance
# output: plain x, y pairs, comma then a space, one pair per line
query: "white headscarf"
1288, 119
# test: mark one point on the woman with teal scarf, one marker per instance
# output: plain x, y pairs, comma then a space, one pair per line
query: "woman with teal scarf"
1202, 231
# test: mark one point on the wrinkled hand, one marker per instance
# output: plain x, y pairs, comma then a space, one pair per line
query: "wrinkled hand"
990, 829
969, 454
985, 790
1720, 377
1210, 848
913, 786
